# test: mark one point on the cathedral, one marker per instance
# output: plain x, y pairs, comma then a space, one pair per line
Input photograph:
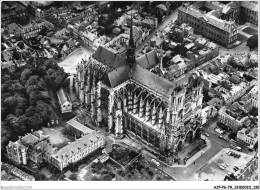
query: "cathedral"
125, 96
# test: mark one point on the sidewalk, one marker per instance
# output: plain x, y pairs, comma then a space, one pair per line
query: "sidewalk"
195, 157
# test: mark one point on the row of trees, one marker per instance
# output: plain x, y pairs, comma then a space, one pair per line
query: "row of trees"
25, 103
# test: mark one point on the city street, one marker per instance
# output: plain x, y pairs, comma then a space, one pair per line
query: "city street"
236, 50
171, 18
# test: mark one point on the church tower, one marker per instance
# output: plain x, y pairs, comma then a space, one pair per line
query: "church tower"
131, 46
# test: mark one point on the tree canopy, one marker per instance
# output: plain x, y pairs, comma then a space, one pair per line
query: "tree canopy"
25, 103
252, 42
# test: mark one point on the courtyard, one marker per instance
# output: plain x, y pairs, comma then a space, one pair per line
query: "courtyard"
70, 63
57, 136
213, 172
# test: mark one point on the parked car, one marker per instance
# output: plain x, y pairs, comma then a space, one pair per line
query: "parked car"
221, 137
206, 134
155, 162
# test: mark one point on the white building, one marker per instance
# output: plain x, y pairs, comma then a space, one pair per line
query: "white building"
64, 101
248, 136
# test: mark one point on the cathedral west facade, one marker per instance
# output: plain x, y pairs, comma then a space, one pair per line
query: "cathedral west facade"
127, 98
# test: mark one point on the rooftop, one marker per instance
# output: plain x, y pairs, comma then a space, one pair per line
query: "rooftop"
79, 126
77, 146
108, 58
62, 96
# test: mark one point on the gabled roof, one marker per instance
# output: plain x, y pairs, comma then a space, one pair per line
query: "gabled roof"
108, 58
13, 27
29, 139
151, 80
119, 75
148, 60
162, 7
19, 7
79, 126
62, 96
77, 146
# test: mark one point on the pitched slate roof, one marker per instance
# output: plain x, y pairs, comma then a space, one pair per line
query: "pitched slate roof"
45, 147
224, 25
79, 126
77, 146
151, 80
250, 5
108, 58
29, 139
62, 96
119, 75
148, 60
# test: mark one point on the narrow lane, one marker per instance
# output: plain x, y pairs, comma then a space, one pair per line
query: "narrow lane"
171, 18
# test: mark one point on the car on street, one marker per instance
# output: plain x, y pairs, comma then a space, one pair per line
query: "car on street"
221, 167
221, 137
206, 134
155, 162
238, 148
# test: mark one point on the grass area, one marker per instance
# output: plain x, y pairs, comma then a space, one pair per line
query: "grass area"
143, 171
122, 155
241, 37
57, 136
99, 172
250, 31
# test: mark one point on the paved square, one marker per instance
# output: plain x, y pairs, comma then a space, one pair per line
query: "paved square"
213, 172
70, 63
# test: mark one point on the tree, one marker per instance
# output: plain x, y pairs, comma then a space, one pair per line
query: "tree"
35, 121
55, 78
16, 55
10, 104
20, 45
256, 146
43, 110
252, 42
25, 75
232, 135
35, 80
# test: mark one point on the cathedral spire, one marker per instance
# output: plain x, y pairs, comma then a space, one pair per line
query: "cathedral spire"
131, 46
131, 39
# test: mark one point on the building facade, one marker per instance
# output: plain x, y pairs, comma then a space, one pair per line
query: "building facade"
228, 120
249, 11
77, 150
37, 148
248, 136
205, 18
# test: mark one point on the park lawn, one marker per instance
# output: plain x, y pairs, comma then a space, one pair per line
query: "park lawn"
250, 31
241, 38
57, 138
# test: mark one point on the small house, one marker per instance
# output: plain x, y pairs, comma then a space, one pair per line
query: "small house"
64, 101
